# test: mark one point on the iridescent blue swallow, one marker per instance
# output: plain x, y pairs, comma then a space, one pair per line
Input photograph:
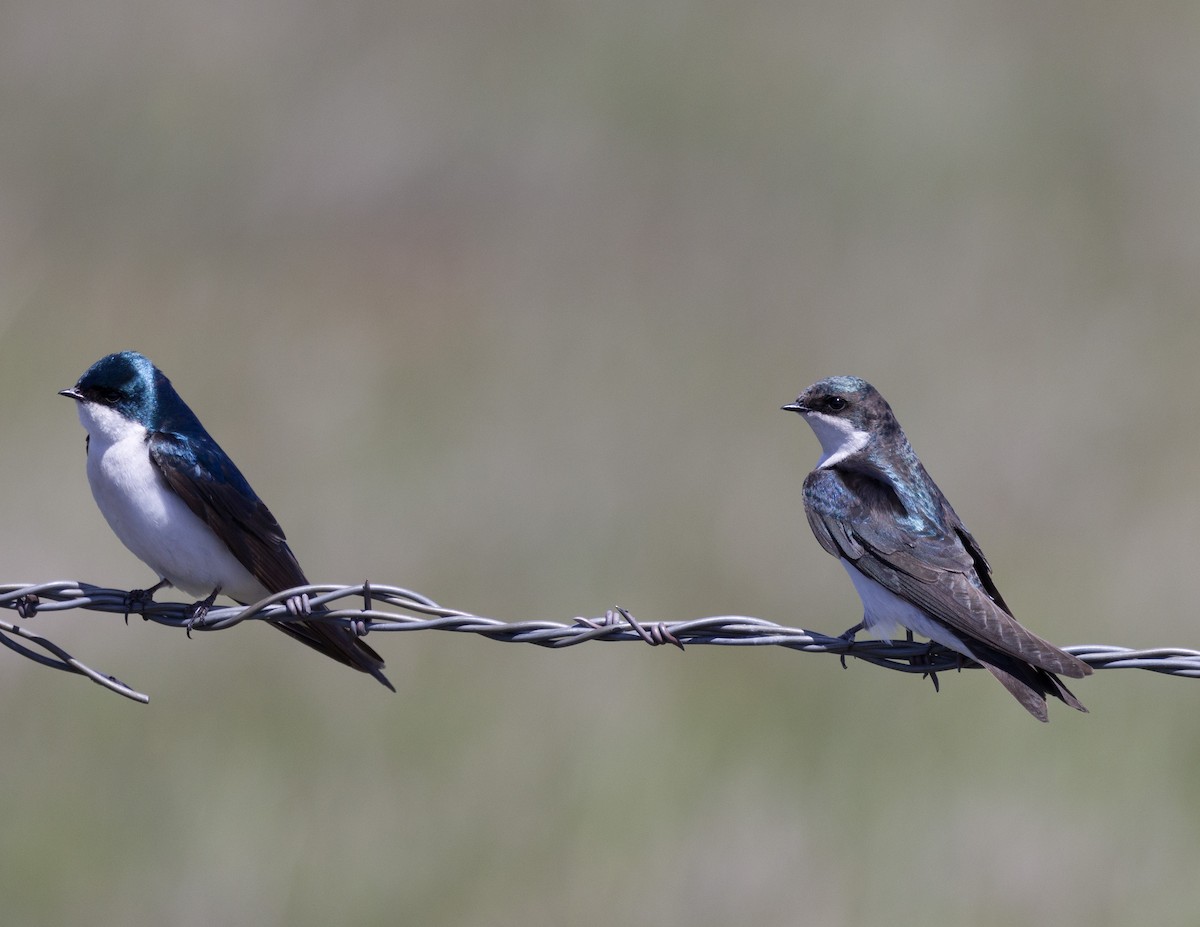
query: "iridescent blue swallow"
177, 501
871, 504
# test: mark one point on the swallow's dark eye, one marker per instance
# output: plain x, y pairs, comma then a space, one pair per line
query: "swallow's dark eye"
835, 403
109, 396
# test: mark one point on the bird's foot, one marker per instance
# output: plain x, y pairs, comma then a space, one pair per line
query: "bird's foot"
916, 661
198, 611
27, 605
848, 637
136, 600
928, 658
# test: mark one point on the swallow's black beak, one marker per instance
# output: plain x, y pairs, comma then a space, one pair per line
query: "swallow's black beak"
73, 393
790, 407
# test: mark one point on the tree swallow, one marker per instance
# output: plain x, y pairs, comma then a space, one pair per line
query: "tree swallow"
177, 501
871, 504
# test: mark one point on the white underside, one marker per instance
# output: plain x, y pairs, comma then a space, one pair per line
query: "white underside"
150, 519
883, 610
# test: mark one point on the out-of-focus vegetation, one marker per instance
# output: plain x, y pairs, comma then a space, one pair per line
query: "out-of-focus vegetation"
499, 301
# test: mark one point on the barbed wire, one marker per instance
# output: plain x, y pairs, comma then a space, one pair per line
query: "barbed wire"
394, 608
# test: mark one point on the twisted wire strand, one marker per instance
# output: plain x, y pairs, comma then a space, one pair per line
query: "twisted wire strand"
376, 608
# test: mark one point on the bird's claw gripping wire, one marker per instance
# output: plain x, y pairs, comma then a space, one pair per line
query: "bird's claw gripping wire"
848, 637
136, 600
198, 611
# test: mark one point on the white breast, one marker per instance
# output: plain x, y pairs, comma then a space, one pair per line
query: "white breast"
149, 518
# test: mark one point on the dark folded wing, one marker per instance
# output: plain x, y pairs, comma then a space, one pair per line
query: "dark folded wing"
942, 572
214, 489
219, 495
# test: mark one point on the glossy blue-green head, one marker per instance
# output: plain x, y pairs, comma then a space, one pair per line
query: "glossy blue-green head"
129, 384
849, 399
847, 414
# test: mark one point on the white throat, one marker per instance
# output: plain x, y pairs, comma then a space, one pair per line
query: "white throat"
106, 426
838, 436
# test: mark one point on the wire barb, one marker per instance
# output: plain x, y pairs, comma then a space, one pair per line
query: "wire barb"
653, 634
394, 608
26, 604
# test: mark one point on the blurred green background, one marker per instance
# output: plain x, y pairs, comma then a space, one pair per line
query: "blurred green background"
499, 301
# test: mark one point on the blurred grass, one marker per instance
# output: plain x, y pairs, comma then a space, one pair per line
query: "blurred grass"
499, 301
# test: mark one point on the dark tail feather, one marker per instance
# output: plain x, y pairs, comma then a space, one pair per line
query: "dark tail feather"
339, 644
1030, 685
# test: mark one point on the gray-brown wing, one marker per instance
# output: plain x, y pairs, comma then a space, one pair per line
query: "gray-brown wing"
933, 568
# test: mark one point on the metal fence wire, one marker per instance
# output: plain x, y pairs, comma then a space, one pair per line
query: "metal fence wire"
370, 608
